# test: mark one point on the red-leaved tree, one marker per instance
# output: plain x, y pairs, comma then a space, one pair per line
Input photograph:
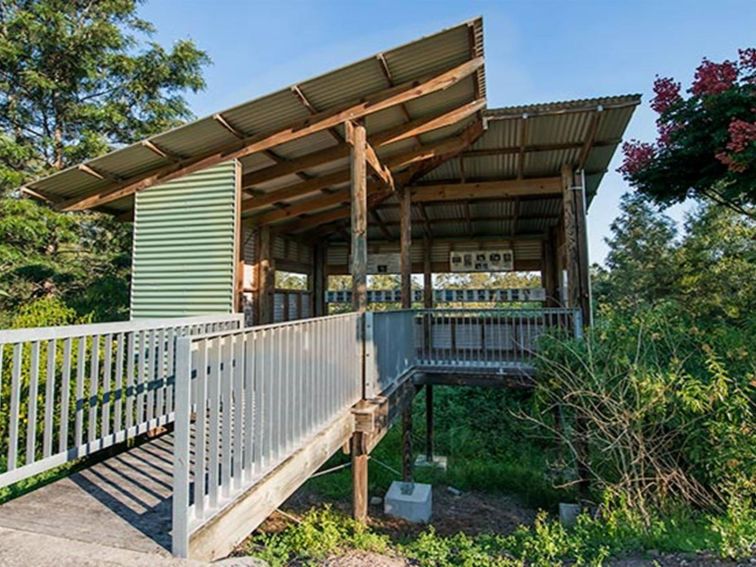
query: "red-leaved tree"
706, 142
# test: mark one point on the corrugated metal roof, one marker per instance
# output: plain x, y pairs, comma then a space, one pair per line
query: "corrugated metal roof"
273, 112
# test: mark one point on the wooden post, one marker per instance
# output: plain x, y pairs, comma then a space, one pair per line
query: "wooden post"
578, 296
549, 274
358, 140
429, 423
266, 276
427, 274
405, 246
405, 222
576, 244
239, 270
319, 279
359, 477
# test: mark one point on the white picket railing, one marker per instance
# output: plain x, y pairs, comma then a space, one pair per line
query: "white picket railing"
256, 396
72, 391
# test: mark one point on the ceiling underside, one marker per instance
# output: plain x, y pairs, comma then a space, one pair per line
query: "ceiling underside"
429, 139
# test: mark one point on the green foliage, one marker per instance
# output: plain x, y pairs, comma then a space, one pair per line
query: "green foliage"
669, 411
320, 533
323, 533
76, 80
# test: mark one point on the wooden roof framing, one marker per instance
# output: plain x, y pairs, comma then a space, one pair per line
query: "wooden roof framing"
423, 106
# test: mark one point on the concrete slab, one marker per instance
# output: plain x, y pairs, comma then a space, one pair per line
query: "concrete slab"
410, 501
438, 462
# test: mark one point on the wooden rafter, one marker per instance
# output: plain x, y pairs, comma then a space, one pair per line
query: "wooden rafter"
468, 218
590, 138
219, 118
160, 151
378, 220
339, 177
390, 80
297, 91
521, 154
378, 140
98, 173
257, 143
426, 220
516, 217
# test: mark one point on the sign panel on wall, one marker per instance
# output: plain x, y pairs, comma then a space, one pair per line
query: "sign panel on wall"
481, 261
388, 263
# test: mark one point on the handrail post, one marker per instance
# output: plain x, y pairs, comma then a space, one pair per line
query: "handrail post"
369, 371
182, 389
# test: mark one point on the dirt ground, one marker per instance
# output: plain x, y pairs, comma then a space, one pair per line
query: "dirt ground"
472, 513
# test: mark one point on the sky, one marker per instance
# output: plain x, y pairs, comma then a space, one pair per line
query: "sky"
536, 51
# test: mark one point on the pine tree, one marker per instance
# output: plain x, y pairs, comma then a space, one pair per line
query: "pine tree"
641, 262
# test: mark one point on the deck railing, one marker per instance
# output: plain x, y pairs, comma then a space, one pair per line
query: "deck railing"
68, 392
480, 338
256, 395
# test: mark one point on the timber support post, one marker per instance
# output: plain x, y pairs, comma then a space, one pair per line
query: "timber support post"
578, 294
428, 423
265, 276
359, 477
405, 256
357, 137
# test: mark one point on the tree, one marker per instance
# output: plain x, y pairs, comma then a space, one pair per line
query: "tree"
706, 144
77, 78
717, 265
641, 262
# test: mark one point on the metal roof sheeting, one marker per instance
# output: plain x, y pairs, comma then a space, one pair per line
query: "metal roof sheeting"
270, 113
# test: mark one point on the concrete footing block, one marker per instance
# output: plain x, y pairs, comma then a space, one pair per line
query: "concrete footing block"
410, 501
438, 462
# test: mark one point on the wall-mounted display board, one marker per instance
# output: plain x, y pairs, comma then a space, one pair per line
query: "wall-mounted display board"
481, 260
446, 295
388, 263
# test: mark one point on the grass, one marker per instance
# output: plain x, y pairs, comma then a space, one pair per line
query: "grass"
323, 532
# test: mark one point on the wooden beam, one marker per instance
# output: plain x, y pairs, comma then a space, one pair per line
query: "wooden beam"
257, 143
227, 126
505, 189
359, 210
536, 148
339, 177
97, 173
590, 138
426, 220
521, 154
390, 136
468, 218
484, 218
383, 172
160, 151
381, 225
405, 246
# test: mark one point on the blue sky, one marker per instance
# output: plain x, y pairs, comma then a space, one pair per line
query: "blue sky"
536, 50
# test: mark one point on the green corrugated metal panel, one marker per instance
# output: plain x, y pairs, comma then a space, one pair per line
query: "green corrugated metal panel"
185, 245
